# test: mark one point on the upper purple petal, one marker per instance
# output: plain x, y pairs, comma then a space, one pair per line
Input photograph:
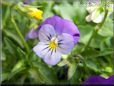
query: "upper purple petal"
63, 26
46, 33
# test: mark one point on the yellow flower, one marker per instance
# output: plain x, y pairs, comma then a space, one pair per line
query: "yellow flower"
36, 13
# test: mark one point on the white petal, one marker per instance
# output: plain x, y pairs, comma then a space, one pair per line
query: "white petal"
88, 18
41, 49
46, 32
66, 43
52, 58
97, 17
90, 9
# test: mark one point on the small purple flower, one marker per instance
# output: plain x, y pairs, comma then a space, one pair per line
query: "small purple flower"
57, 36
98, 80
51, 45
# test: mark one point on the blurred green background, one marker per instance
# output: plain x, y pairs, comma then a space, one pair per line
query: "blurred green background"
20, 67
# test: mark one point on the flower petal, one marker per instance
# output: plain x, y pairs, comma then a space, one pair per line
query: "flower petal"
98, 80
32, 34
56, 22
72, 29
52, 58
110, 80
41, 49
66, 43
97, 16
94, 80
46, 33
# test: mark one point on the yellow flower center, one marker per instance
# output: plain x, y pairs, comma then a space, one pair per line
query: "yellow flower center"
53, 45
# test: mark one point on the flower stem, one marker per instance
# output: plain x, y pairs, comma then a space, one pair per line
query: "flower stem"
97, 28
20, 35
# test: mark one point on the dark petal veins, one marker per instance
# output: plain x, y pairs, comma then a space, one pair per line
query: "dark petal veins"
60, 43
60, 40
77, 35
60, 47
45, 48
48, 38
55, 50
50, 35
49, 49
51, 52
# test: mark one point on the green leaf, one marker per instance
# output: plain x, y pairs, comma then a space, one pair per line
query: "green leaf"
3, 76
92, 65
92, 53
46, 72
64, 10
19, 66
106, 52
107, 28
71, 70
35, 76
63, 62
21, 53
3, 57
9, 45
13, 36
5, 17
86, 32
97, 41
47, 10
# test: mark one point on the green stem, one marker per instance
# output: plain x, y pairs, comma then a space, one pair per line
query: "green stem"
97, 28
21, 36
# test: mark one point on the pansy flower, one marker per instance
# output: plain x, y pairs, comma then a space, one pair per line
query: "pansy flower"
57, 36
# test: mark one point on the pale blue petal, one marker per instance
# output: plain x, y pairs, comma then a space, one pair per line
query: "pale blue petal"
46, 32
66, 43
52, 58
41, 49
